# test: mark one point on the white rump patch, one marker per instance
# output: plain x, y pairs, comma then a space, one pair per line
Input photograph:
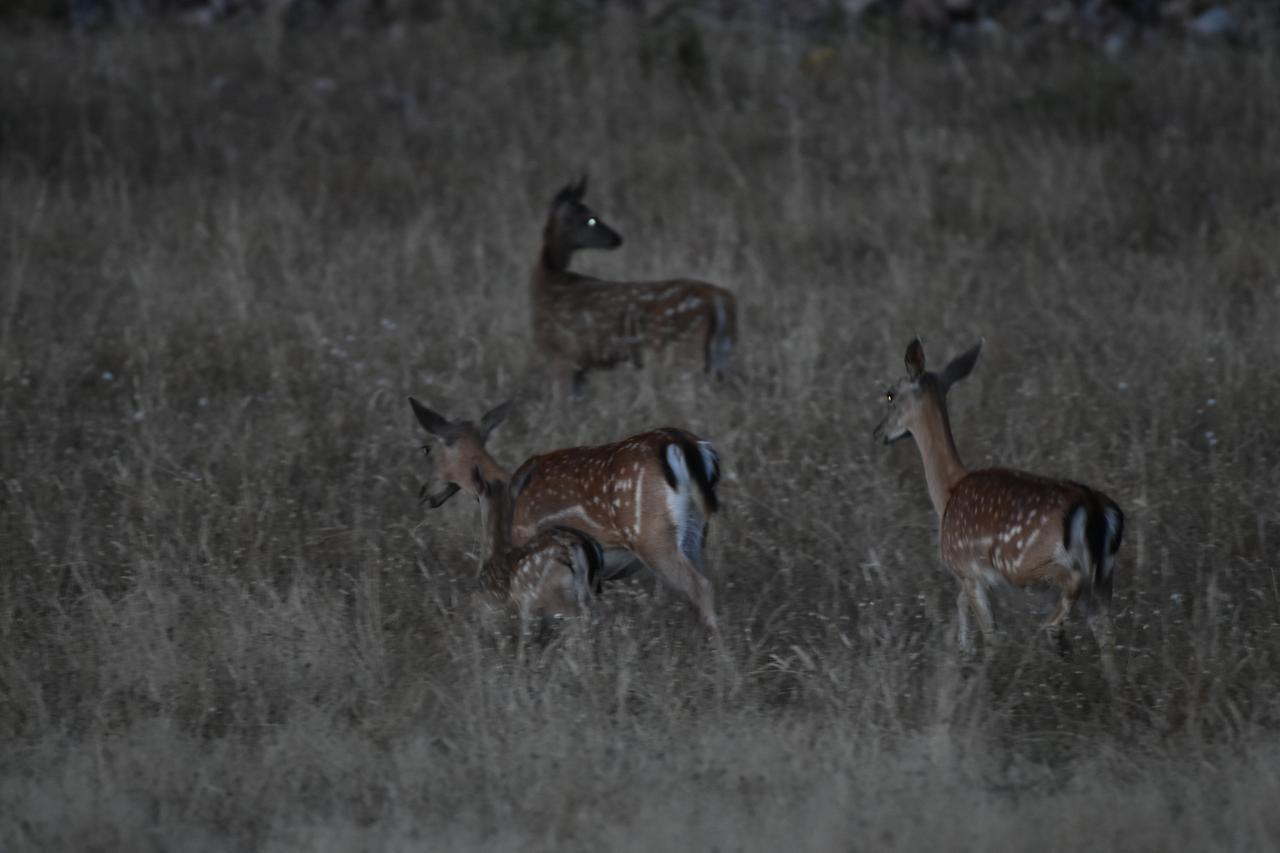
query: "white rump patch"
678, 497
710, 460
684, 513
675, 459
1079, 548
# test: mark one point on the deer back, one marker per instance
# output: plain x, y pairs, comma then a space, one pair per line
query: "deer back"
594, 323
1016, 523
617, 493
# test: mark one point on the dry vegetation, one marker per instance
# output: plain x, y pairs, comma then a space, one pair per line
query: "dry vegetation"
227, 259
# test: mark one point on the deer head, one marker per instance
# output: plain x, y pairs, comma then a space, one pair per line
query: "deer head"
572, 225
461, 460
919, 391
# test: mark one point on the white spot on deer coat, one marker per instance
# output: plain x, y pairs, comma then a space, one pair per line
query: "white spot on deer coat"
635, 528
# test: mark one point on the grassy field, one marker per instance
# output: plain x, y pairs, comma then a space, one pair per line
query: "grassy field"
225, 621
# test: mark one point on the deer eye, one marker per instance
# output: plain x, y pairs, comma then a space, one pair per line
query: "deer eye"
591, 221
888, 396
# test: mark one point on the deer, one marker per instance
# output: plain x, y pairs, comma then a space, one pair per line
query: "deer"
649, 496
997, 524
552, 575
582, 323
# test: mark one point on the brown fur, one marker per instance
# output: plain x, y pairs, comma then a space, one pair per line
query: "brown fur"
619, 494
1009, 520
582, 323
615, 492
999, 524
546, 576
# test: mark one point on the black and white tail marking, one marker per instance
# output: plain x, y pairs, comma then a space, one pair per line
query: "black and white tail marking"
690, 465
1094, 531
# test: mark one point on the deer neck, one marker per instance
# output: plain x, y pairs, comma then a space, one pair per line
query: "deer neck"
496, 518
942, 465
555, 254
490, 470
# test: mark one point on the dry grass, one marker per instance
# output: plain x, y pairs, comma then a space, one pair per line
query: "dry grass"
225, 621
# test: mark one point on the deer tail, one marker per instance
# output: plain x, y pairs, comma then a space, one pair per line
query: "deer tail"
1094, 531
690, 463
692, 469
722, 334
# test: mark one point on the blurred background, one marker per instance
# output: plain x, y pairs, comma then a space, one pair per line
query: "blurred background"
235, 236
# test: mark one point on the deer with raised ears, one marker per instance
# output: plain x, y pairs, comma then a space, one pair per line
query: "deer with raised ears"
998, 524
648, 496
550, 575
582, 323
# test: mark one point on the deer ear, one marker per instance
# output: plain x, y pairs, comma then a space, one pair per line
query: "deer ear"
521, 480
482, 488
915, 360
432, 422
570, 192
492, 418
960, 366
580, 189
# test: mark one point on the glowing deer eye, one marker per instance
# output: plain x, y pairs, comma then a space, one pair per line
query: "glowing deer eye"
592, 222
888, 396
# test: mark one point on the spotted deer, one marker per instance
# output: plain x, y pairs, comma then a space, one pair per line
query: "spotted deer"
998, 524
550, 575
582, 323
648, 496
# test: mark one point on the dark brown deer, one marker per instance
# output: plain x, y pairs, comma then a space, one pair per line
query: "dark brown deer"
648, 496
582, 323
997, 524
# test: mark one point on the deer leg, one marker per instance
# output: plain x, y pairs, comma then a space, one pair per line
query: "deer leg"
719, 349
964, 635
633, 336
1054, 629
718, 344
1099, 616
677, 570
1069, 580
1100, 626
981, 610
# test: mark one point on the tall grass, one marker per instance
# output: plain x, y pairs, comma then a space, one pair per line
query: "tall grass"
225, 621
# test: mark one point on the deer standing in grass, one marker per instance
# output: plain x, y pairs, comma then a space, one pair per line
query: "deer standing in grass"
998, 524
648, 496
582, 323
551, 575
